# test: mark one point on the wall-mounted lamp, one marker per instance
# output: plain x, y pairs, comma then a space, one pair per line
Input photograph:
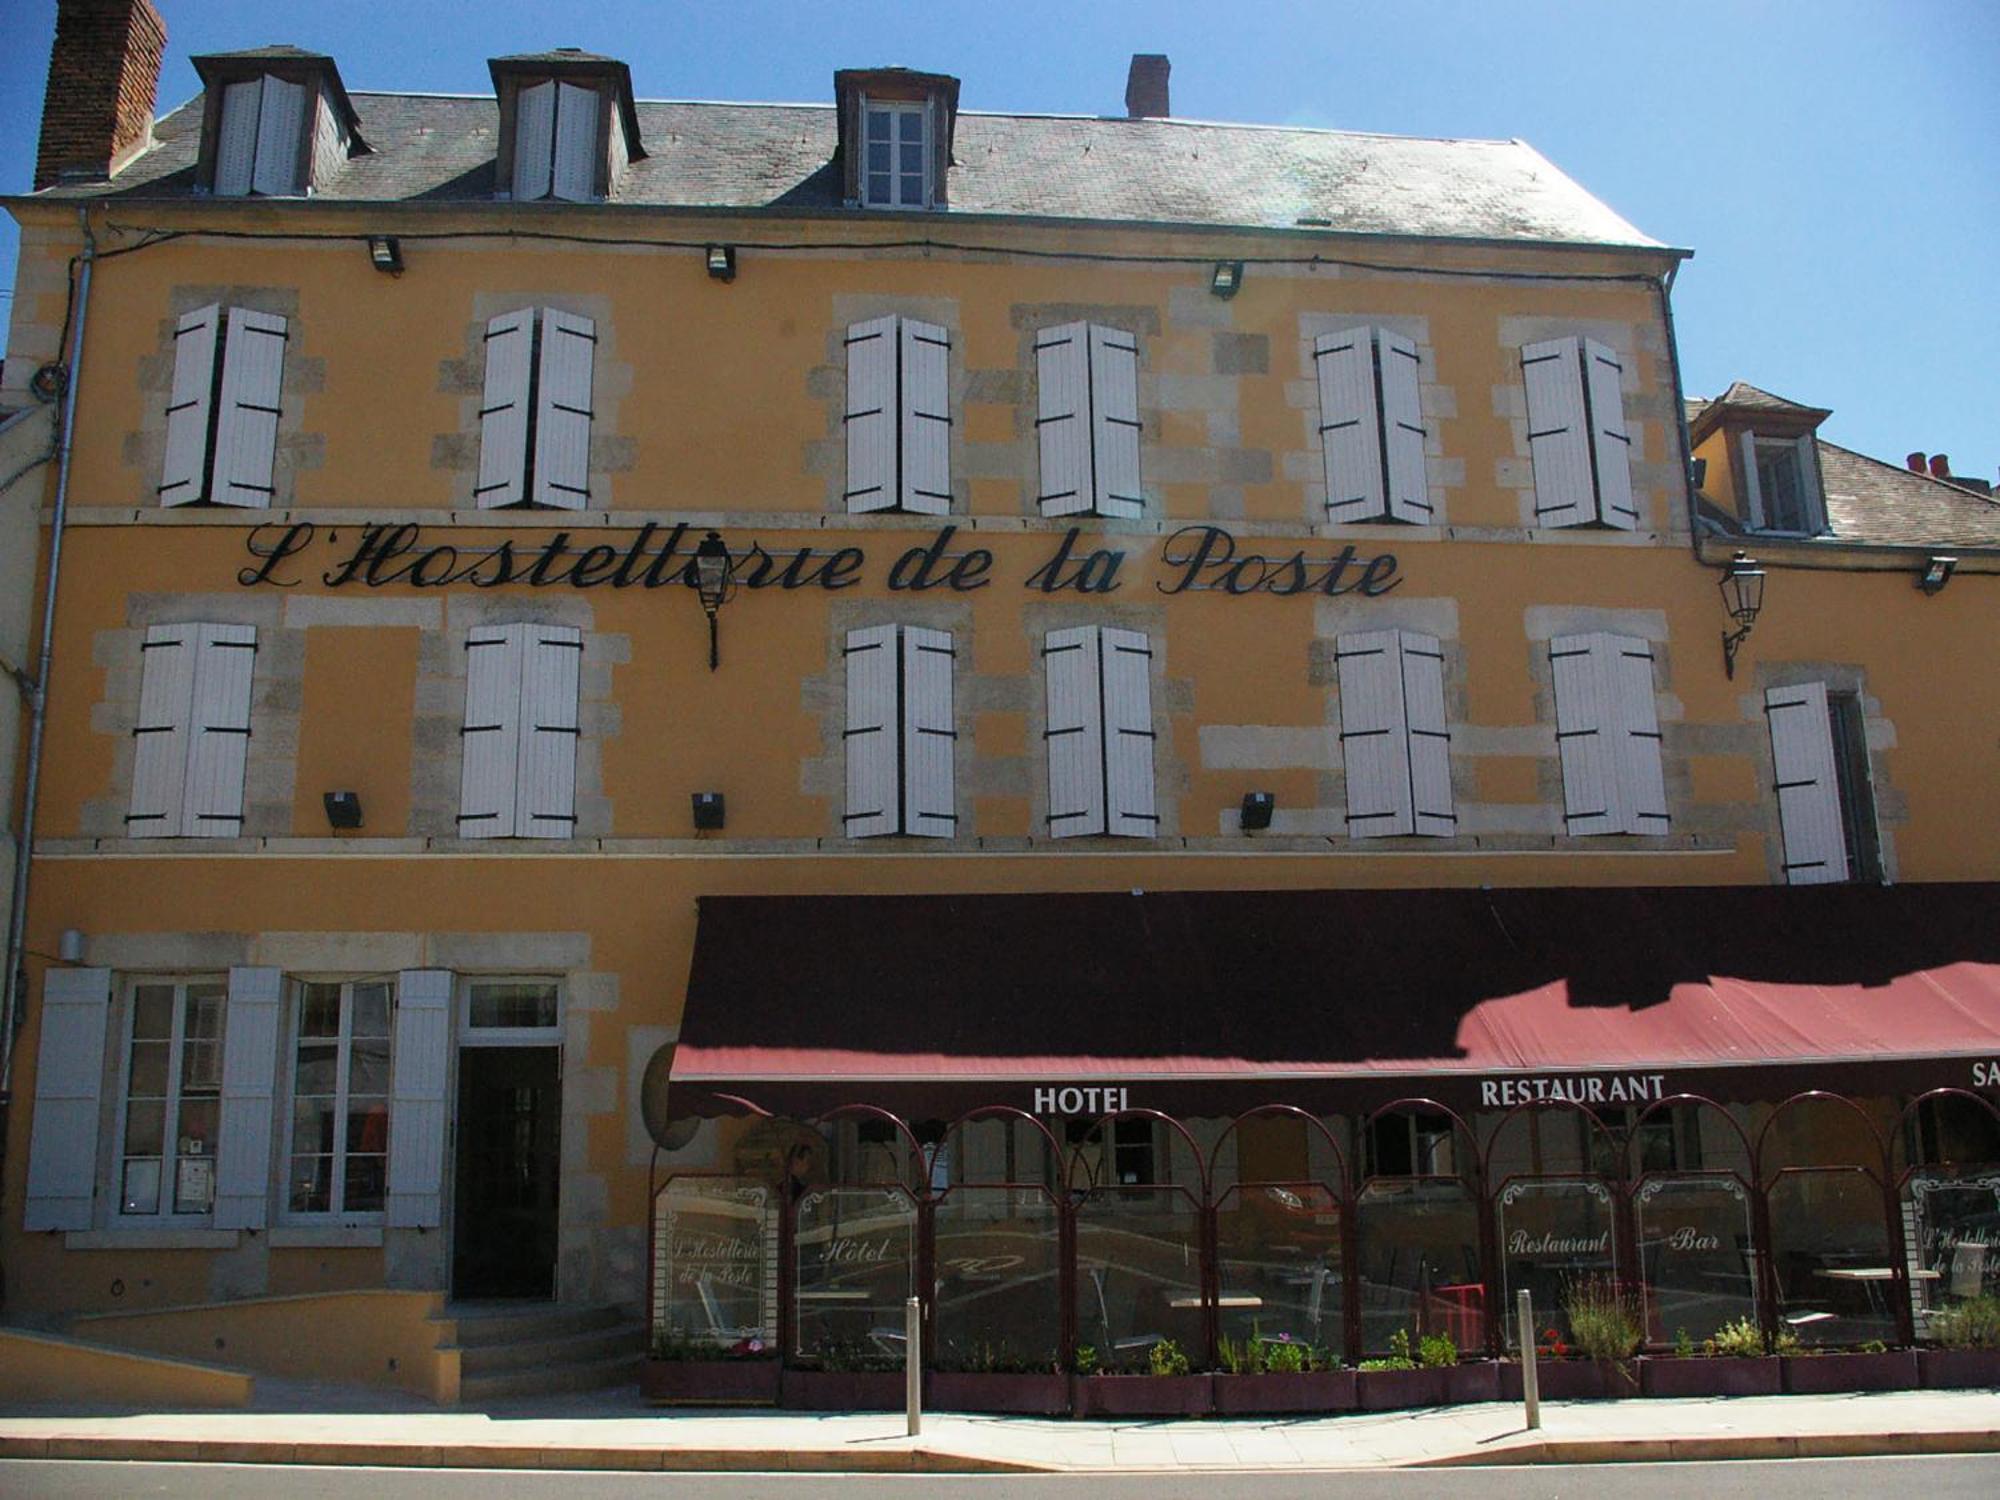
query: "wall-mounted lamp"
1227, 279
69, 946
713, 578
386, 252
1937, 573
722, 262
1743, 597
710, 811
1256, 812
343, 809
1700, 474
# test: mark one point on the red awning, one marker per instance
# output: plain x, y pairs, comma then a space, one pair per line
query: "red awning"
1336, 1000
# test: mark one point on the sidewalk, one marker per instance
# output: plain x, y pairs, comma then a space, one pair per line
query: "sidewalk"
309, 1425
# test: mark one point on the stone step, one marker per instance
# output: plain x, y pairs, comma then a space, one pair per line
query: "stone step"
587, 1346
478, 1326
549, 1380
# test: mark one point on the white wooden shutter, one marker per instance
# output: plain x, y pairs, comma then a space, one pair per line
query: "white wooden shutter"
871, 736
870, 418
1075, 731
1128, 734
1808, 785
1608, 730
1062, 418
1403, 430
1431, 811
69, 1069
928, 733
280, 121
1635, 747
575, 177
249, 1071
492, 732
236, 138
184, 475
1348, 424
219, 731
1611, 447
1114, 421
160, 737
503, 410
419, 1069
562, 410
1374, 734
551, 663
534, 140
1558, 434
246, 430
925, 418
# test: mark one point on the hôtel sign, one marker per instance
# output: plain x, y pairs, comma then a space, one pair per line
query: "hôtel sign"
1194, 558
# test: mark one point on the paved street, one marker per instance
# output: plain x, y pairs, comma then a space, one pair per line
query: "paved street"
1807, 1479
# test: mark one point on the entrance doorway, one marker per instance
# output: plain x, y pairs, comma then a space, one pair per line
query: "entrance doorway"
509, 1148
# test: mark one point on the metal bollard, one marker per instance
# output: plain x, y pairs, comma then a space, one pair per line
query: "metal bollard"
913, 1363
1531, 1385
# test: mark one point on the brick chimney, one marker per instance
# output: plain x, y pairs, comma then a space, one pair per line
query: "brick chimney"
1915, 462
104, 76
1146, 87
1940, 466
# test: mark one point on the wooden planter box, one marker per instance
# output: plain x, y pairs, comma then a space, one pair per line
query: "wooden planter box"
1392, 1390
1474, 1380
1574, 1380
1019, 1393
1720, 1375
1142, 1395
1307, 1391
843, 1390
709, 1382
1817, 1374
1958, 1369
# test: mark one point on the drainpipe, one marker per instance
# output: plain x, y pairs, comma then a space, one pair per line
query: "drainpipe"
1681, 413
12, 1009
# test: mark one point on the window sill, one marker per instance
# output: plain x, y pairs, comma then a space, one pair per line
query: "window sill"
151, 1239
326, 1237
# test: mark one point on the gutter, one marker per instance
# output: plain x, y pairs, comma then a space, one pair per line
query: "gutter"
12, 1006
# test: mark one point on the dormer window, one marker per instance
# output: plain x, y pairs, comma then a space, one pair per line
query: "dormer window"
263, 120
276, 124
1760, 455
895, 129
897, 171
555, 142
1783, 484
568, 126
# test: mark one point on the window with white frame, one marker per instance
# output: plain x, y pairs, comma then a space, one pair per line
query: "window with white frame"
895, 167
1087, 420
1371, 426
171, 1112
535, 411
222, 415
1608, 734
1577, 437
556, 135
192, 738
338, 1155
1100, 732
260, 144
900, 734
518, 778
1394, 743
898, 416
1826, 801
1781, 478
524, 1011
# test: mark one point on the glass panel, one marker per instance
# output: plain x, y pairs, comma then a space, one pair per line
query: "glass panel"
367, 1178
371, 1010
311, 1184
145, 1127
312, 1125
880, 122
319, 1068
878, 156
148, 1078
368, 1068
153, 1011
142, 1186
368, 1125
1955, 1219
197, 1133
1695, 1255
204, 1009
1555, 1240
1419, 1262
1138, 1274
999, 1287
1278, 1261
319, 1010
1778, 483
715, 1264
855, 1269
514, 1004
201, 1048
1830, 1248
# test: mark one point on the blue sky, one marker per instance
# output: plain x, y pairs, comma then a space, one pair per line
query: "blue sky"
1834, 164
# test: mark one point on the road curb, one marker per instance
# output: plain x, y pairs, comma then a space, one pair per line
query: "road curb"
1720, 1448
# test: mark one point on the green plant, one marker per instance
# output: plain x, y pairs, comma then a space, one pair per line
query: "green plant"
672, 1343
1257, 1355
1086, 1359
1286, 1357
1601, 1321
1683, 1345
1874, 1346
1436, 1350
852, 1356
1165, 1358
984, 1357
1743, 1339
1971, 1324
1399, 1354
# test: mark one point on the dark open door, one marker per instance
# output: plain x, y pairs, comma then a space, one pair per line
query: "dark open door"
509, 1144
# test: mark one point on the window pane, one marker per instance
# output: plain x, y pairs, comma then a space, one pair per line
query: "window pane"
142, 1187
879, 123
368, 1125
366, 1177
368, 1068
521, 1003
318, 1068
194, 1184
197, 1131
312, 1126
148, 1078
201, 1066
204, 1010
145, 1127
371, 1010
153, 1011
319, 1010
312, 1184
878, 156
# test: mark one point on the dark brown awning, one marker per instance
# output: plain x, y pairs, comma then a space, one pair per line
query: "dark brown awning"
1213, 1001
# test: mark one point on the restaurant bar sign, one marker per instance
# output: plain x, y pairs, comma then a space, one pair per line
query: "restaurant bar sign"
1576, 1088
1192, 559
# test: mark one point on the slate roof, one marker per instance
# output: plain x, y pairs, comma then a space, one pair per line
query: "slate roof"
738, 156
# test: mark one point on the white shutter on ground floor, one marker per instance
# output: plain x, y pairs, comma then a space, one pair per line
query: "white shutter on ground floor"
1431, 808
1611, 446
1374, 736
1607, 728
197, 342
1114, 422
1349, 426
504, 410
218, 746
871, 738
870, 420
551, 667
69, 1071
924, 418
491, 735
562, 410
929, 733
246, 427
1559, 437
1635, 749
1070, 659
1409, 494
1808, 784
249, 1072
160, 737
420, 1070
1127, 675
1062, 419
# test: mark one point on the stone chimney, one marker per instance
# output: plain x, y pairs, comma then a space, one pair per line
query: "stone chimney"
1146, 87
104, 76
